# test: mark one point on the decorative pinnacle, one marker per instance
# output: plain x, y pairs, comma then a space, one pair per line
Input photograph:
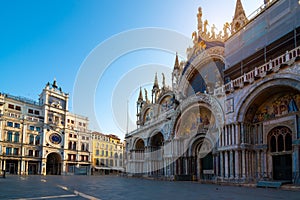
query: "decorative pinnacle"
176, 65
155, 82
140, 99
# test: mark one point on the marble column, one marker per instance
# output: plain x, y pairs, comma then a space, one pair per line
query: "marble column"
258, 160
237, 133
221, 164
265, 160
237, 164
216, 164
242, 133
231, 164
243, 164
221, 139
226, 163
233, 136
229, 135
226, 137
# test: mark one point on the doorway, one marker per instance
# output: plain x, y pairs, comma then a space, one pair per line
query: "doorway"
53, 164
282, 167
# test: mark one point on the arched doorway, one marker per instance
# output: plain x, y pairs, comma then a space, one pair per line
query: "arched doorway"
156, 155
280, 148
53, 166
202, 159
138, 155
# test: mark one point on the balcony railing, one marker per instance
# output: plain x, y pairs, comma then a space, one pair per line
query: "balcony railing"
259, 72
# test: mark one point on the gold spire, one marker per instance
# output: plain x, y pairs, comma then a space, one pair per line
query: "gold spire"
140, 99
239, 19
176, 65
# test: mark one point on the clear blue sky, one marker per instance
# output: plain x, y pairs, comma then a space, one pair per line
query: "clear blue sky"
40, 40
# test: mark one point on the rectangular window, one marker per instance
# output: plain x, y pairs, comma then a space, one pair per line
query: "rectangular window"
36, 112
9, 136
31, 128
31, 139
30, 152
10, 106
79, 123
38, 129
97, 152
18, 108
37, 140
8, 150
10, 124
30, 111
72, 121
37, 153
75, 136
102, 153
68, 120
17, 125
17, 136
16, 151
70, 135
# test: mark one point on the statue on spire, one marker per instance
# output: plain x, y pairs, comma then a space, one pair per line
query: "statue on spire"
199, 17
164, 80
146, 96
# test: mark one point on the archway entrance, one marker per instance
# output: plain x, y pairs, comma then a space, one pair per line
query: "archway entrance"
156, 155
203, 168
139, 155
53, 166
280, 146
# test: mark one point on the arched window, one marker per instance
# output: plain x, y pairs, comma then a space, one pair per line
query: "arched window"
273, 144
116, 156
280, 139
280, 143
288, 142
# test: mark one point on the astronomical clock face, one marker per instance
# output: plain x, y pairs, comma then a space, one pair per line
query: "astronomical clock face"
55, 138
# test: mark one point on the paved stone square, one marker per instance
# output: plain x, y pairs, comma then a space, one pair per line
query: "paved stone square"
113, 187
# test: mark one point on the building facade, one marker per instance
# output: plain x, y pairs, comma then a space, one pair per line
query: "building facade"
232, 113
43, 137
108, 154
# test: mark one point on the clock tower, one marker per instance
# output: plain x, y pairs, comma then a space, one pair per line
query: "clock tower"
54, 104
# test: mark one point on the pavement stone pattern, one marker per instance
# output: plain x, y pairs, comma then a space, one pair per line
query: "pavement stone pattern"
114, 187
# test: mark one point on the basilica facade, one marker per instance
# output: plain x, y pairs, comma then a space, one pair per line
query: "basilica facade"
232, 112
